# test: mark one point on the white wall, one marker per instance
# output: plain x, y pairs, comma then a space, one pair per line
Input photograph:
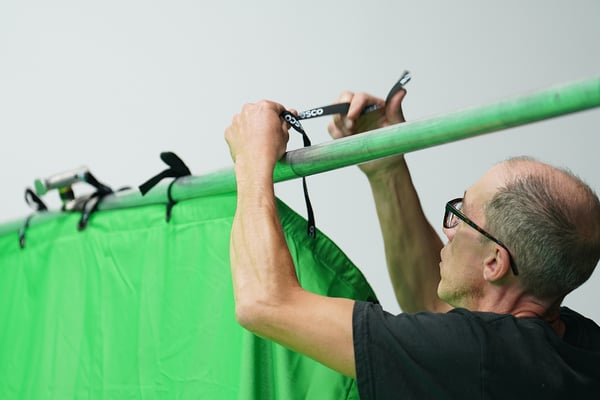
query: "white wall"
112, 84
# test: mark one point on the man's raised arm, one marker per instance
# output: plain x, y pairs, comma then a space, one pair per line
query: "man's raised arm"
412, 246
268, 297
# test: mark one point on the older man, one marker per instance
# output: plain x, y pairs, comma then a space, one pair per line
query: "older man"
519, 240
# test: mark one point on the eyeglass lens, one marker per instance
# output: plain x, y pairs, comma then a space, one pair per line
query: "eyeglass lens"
451, 219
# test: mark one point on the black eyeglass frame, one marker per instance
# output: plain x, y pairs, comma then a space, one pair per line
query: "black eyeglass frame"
451, 209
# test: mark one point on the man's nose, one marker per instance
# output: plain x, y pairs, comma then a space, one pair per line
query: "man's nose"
449, 232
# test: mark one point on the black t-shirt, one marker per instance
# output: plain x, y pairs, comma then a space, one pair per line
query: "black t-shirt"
473, 355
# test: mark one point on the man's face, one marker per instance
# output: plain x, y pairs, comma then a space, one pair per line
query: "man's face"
462, 258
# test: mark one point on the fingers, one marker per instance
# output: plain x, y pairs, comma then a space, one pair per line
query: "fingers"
338, 127
354, 121
346, 125
264, 106
258, 133
343, 125
359, 102
393, 110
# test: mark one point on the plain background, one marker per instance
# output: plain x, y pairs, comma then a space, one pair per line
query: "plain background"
112, 84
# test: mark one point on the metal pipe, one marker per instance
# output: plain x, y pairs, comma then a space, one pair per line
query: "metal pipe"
402, 138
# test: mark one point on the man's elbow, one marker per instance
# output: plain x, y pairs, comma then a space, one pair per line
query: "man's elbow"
265, 315
252, 314
245, 315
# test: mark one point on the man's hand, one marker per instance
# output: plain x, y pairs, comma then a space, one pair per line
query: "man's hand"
353, 122
257, 137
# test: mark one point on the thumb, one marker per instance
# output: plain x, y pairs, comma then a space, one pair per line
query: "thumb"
393, 109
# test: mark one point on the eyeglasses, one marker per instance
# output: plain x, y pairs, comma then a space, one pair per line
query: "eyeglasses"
452, 217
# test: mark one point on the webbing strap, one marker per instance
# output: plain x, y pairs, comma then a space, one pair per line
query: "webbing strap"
342, 108
293, 121
90, 205
339, 108
177, 170
35, 202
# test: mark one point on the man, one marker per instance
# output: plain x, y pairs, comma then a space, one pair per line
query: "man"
519, 240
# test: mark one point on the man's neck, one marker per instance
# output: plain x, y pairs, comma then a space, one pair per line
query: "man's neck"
522, 305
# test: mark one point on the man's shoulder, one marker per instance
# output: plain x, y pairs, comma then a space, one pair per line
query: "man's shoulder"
495, 322
569, 315
580, 331
480, 315
458, 321
579, 327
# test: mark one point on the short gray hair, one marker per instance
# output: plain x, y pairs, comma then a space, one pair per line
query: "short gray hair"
550, 221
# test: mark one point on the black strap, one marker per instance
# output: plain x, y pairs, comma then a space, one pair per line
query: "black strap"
339, 108
35, 202
23, 230
342, 108
177, 170
90, 205
399, 85
293, 121
171, 201
101, 188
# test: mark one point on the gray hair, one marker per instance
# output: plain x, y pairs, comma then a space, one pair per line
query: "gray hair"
550, 221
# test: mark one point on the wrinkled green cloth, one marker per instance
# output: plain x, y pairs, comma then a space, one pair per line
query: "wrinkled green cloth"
134, 307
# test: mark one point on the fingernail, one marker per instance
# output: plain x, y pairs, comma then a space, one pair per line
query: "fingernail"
348, 123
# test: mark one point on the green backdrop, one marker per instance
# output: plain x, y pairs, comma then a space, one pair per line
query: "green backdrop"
134, 307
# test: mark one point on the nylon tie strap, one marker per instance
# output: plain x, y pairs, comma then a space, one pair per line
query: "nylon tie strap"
339, 108
177, 170
293, 121
38, 205
90, 205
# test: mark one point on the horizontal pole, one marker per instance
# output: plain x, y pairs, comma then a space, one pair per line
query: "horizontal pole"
401, 138
395, 139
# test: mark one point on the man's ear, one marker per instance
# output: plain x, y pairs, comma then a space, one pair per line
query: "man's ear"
496, 265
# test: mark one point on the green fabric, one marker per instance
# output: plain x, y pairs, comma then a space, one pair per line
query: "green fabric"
134, 307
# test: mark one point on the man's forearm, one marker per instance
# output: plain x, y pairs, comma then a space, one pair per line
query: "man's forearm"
262, 268
269, 299
412, 246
